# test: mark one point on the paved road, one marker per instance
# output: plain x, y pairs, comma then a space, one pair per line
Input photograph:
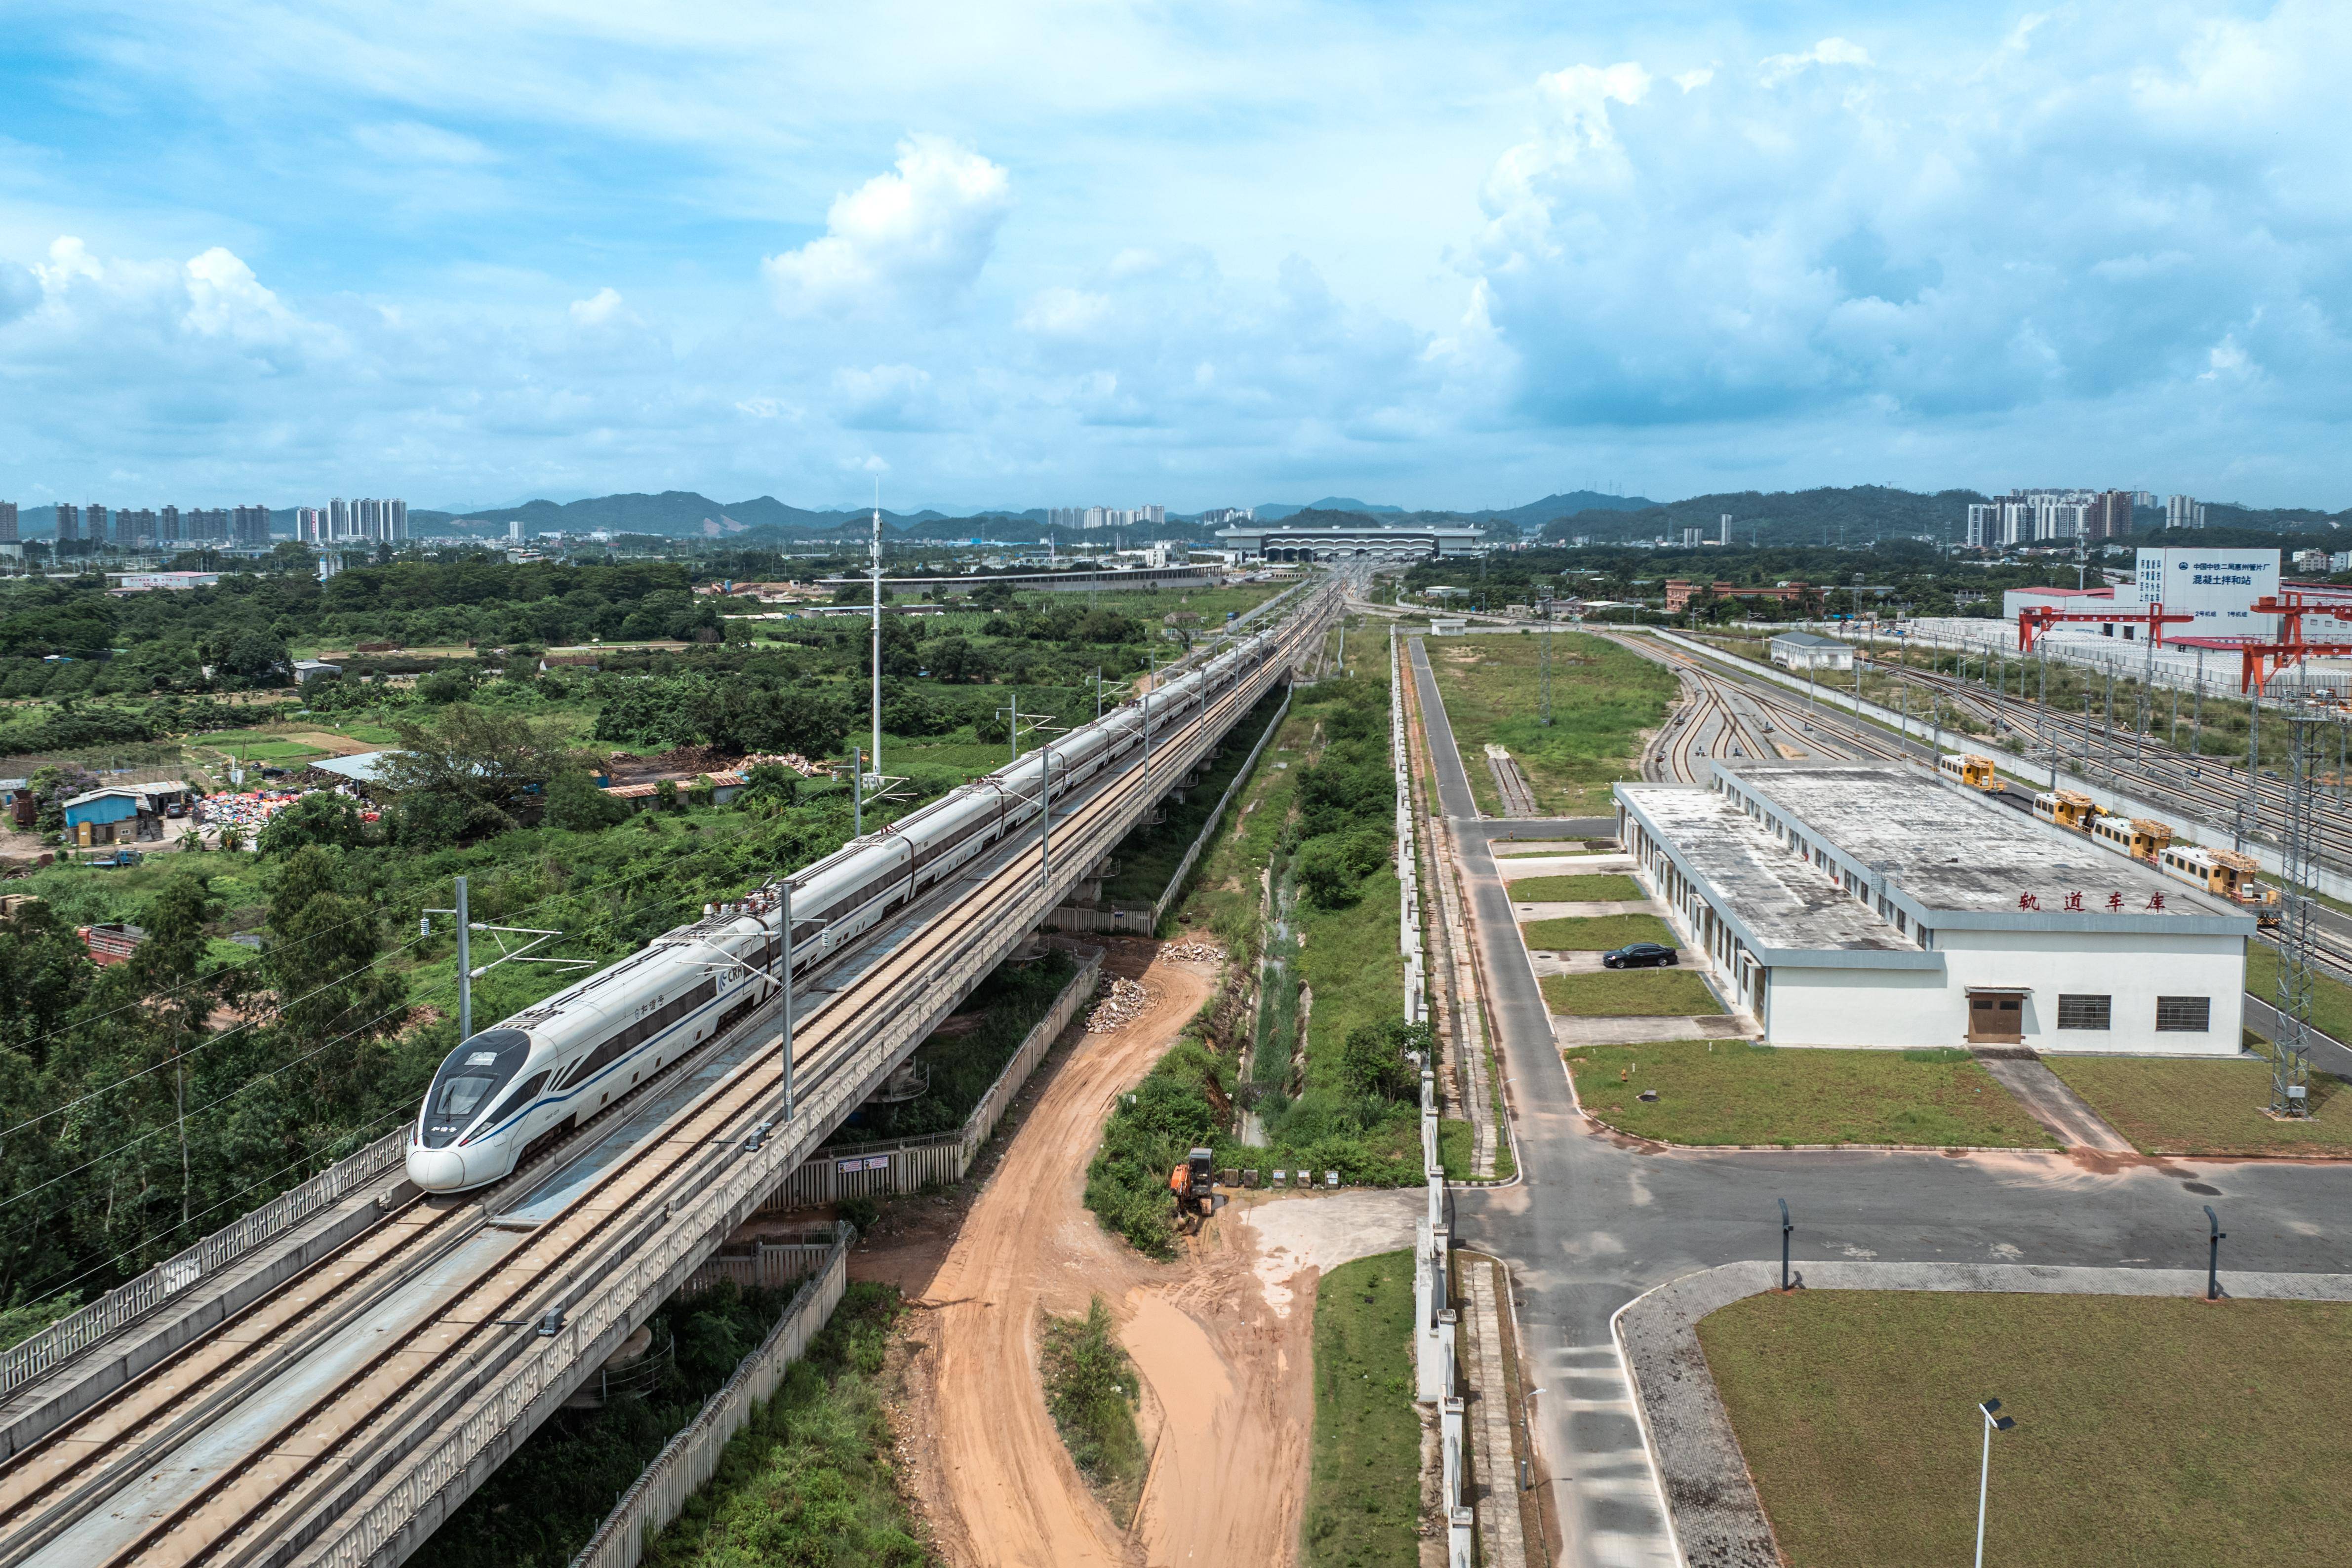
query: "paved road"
1595, 1222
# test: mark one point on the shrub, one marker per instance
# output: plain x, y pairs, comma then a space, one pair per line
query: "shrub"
1092, 1390
576, 805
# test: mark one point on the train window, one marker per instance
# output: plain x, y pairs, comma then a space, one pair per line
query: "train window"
475, 1072
2184, 1015
518, 1099
2085, 1012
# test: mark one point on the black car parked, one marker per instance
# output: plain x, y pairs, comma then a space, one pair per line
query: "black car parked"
1639, 955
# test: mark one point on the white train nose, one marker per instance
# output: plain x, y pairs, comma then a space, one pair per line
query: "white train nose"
436, 1170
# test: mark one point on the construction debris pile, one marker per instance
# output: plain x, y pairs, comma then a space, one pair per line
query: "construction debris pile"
1192, 951
245, 812
1122, 1000
791, 759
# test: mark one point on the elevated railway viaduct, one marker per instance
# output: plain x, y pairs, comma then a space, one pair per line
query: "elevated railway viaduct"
337, 1410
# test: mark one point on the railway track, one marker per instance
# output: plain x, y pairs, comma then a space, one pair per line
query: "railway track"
1724, 716
251, 1444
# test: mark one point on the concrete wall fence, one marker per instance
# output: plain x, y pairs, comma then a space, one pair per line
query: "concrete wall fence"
1435, 1370
691, 1458
897, 1166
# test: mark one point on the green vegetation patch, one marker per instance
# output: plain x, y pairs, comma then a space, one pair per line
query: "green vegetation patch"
1603, 696
1604, 888
1363, 1485
1628, 994
2331, 1000
1733, 1092
2208, 1108
1594, 933
2151, 1430
968, 1052
808, 1480
1092, 1390
1149, 856
541, 1506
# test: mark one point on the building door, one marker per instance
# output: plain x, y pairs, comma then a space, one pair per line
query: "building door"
1997, 1017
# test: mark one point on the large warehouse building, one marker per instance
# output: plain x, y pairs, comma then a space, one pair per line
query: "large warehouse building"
1377, 542
1877, 905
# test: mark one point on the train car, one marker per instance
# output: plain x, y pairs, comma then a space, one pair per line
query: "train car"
2142, 838
2224, 873
552, 1065
2065, 809
1966, 768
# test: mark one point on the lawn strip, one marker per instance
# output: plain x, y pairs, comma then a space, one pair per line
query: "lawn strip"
1604, 888
1630, 994
1594, 933
2171, 1106
1733, 1092
1603, 696
1363, 1485
2151, 1430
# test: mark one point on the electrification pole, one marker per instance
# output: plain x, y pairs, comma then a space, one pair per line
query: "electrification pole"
464, 966
875, 556
786, 915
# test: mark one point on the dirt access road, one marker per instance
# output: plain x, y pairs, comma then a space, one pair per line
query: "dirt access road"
1228, 1399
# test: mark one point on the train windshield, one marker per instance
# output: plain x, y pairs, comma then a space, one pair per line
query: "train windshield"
475, 1072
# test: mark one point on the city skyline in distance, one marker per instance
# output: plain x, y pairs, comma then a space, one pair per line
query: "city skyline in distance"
1496, 256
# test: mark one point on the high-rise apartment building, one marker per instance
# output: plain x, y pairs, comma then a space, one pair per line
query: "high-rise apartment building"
68, 522
1105, 516
168, 526
1216, 515
1984, 524
2183, 512
2110, 514
7, 522
311, 525
250, 525
93, 523
134, 528
1724, 525
209, 523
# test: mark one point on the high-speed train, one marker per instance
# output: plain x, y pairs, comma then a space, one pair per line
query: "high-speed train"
560, 1061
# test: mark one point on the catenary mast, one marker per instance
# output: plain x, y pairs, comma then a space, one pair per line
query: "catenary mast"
875, 552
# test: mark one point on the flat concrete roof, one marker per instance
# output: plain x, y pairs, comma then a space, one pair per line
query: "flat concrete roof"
1954, 859
1782, 905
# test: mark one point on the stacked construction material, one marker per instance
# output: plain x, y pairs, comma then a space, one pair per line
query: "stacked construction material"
1122, 1000
245, 812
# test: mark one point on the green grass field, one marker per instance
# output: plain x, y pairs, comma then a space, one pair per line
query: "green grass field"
1628, 994
1555, 854
2331, 1000
2153, 1431
1349, 958
1594, 933
1363, 1485
1730, 1092
1603, 697
2210, 1108
1605, 888
1149, 856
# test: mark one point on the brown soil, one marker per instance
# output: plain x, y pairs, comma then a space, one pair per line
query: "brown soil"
1228, 1400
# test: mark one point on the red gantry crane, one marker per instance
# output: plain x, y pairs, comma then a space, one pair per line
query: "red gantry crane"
2261, 661
2031, 622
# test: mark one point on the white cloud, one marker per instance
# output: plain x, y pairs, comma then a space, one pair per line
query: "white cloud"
598, 309
1774, 69
918, 235
1064, 312
408, 141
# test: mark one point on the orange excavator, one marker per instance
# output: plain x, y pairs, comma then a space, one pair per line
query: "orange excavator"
1193, 1186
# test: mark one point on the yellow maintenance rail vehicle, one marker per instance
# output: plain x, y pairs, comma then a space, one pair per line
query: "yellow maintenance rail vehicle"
2067, 808
2225, 874
1968, 767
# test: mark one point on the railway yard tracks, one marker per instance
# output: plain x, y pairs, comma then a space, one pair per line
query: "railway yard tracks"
339, 1416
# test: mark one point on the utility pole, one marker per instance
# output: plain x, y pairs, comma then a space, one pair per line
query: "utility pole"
1046, 815
876, 557
786, 915
464, 966
2298, 866
857, 794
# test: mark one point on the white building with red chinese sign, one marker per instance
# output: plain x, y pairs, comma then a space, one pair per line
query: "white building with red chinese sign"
1877, 905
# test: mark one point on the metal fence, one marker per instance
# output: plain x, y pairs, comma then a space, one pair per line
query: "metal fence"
905, 1165
78, 1331
691, 1458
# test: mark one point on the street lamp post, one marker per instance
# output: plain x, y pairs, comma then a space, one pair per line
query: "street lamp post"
2213, 1255
1992, 1423
1786, 1227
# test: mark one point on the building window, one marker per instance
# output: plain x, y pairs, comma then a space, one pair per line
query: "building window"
2086, 1013
2183, 1015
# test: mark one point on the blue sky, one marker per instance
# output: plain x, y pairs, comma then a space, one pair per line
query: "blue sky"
1214, 254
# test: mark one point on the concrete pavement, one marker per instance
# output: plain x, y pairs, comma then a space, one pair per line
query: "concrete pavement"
1598, 1219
